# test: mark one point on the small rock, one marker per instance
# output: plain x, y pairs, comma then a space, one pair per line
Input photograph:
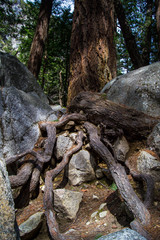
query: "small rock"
30, 228
94, 214
103, 214
87, 223
124, 234
121, 147
66, 204
102, 206
81, 168
114, 226
99, 173
95, 197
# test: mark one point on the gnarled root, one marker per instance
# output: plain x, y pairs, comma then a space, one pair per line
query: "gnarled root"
48, 193
134, 204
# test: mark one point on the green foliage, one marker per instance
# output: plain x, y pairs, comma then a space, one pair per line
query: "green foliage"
113, 186
135, 12
9, 20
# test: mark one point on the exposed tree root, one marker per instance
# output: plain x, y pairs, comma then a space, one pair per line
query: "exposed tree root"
134, 204
48, 193
29, 174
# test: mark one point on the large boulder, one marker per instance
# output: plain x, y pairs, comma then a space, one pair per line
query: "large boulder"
8, 229
19, 114
22, 105
14, 73
139, 89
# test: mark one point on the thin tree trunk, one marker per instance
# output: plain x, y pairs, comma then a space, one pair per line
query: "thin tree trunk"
128, 36
41, 32
158, 25
146, 45
93, 55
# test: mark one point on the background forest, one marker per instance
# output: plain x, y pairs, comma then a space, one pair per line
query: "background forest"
135, 25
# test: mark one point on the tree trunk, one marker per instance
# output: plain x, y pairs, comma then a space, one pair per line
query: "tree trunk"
93, 55
129, 38
158, 25
146, 44
41, 32
114, 119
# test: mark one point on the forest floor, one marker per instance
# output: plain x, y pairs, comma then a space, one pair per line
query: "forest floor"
88, 224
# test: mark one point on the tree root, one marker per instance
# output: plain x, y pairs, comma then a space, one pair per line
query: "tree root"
48, 193
134, 204
29, 174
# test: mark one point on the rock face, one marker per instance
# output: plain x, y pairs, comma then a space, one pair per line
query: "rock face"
139, 89
66, 204
19, 114
124, 234
30, 228
22, 106
7, 214
14, 73
81, 168
147, 163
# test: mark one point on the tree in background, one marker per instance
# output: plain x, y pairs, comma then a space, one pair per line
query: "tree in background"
41, 33
93, 55
138, 26
158, 25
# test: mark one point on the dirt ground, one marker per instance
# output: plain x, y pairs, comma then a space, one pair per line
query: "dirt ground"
90, 227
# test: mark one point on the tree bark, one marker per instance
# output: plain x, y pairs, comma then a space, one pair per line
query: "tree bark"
129, 38
158, 25
146, 44
41, 32
93, 55
111, 116
140, 212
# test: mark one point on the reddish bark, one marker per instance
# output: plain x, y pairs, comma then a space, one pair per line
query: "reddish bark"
93, 55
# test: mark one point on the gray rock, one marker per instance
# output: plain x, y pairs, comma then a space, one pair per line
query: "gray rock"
14, 73
146, 163
63, 143
121, 148
154, 139
139, 89
7, 213
66, 204
30, 228
20, 113
124, 234
81, 168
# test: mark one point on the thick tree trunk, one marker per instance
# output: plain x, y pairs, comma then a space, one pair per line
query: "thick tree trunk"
38, 44
158, 25
93, 55
111, 116
129, 38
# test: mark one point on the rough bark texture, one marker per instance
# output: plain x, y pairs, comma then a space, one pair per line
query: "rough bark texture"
93, 55
31, 170
158, 25
114, 117
40, 37
146, 44
140, 212
128, 36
